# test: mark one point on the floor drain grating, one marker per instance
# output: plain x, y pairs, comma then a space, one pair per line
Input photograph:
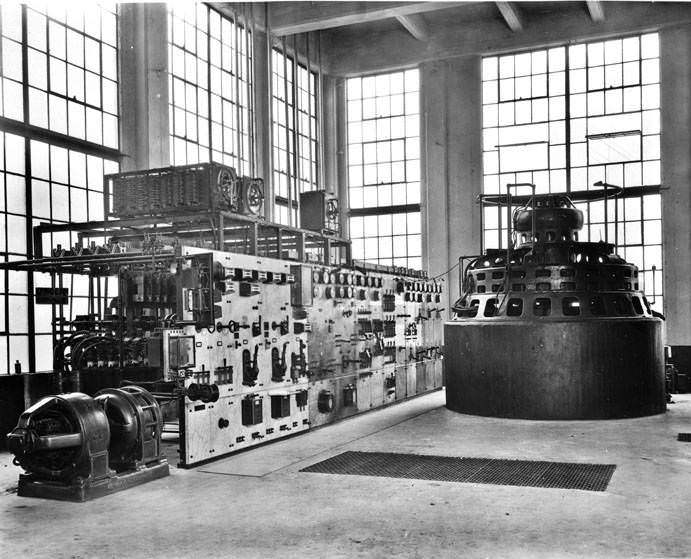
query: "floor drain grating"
684, 437
525, 473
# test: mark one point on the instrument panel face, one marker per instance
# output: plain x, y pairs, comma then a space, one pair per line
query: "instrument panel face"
295, 346
252, 358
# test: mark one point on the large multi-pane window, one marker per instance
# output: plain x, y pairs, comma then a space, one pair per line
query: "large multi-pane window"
567, 117
210, 84
295, 137
67, 86
383, 115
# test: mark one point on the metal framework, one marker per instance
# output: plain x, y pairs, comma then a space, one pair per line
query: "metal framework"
218, 231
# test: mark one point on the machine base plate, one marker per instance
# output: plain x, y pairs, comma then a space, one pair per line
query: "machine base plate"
31, 487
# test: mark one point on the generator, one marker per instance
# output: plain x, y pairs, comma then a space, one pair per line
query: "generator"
74, 447
553, 327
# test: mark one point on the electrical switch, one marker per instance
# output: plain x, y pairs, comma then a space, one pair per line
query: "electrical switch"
250, 371
278, 363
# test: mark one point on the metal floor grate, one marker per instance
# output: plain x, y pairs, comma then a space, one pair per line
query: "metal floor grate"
684, 437
527, 473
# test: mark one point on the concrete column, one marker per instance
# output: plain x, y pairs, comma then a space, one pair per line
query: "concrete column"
333, 153
333, 103
433, 161
262, 119
144, 130
336, 151
675, 101
452, 162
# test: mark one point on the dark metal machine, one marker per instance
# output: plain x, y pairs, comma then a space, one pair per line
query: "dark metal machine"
553, 328
169, 190
74, 447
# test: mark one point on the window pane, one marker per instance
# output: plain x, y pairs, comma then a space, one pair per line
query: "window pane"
195, 50
63, 88
392, 162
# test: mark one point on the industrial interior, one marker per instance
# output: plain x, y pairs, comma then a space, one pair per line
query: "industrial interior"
338, 279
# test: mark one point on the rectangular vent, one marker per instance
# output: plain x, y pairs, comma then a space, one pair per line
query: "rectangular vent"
525, 473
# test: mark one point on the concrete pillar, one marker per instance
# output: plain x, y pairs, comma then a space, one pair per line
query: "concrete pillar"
144, 130
452, 163
434, 168
333, 143
335, 150
333, 103
262, 118
675, 101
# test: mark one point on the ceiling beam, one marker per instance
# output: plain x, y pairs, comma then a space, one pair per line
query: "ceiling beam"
352, 51
288, 18
415, 25
509, 12
596, 11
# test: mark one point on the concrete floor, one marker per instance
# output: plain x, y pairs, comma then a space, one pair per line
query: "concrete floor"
262, 506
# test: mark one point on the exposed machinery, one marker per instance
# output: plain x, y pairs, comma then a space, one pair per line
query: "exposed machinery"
204, 186
256, 330
319, 211
251, 196
553, 328
74, 447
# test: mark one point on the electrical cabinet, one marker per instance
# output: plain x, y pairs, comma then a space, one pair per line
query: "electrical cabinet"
319, 211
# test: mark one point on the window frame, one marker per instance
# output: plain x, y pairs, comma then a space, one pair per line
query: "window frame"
33, 138
235, 126
405, 223
287, 134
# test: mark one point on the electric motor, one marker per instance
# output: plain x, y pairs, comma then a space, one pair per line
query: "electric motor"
135, 423
69, 437
61, 438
